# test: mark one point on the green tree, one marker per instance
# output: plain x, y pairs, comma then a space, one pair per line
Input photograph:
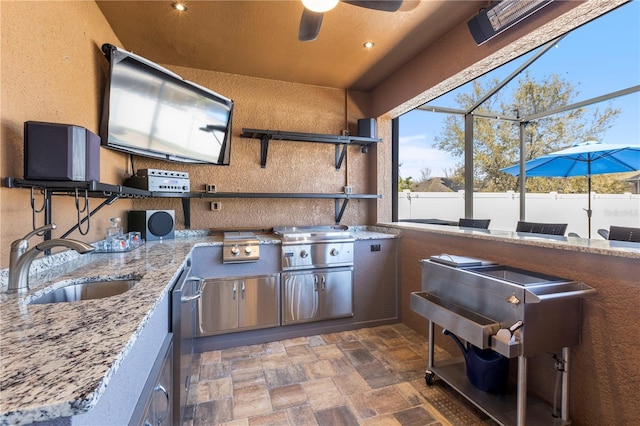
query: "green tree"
496, 141
404, 183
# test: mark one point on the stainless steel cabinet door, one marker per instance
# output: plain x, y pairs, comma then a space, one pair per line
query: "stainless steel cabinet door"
259, 302
316, 295
161, 408
218, 306
299, 297
336, 293
155, 406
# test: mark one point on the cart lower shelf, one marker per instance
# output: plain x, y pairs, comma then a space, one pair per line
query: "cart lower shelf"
501, 408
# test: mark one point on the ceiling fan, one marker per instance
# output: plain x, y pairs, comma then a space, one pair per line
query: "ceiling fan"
314, 11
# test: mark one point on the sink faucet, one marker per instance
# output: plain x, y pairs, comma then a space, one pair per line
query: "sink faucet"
21, 257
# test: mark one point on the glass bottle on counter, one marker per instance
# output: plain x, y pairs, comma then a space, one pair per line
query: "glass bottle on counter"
115, 240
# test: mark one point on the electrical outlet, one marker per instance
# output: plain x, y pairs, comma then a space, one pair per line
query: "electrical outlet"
210, 189
215, 206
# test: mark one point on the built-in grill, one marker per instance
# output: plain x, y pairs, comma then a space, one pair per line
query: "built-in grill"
315, 247
239, 247
317, 277
475, 299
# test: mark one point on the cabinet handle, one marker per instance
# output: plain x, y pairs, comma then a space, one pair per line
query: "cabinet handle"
160, 419
198, 292
235, 289
316, 297
294, 315
315, 283
324, 283
243, 289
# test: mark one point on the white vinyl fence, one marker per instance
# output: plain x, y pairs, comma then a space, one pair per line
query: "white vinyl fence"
504, 209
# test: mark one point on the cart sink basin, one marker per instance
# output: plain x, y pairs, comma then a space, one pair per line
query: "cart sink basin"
86, 290
515, 275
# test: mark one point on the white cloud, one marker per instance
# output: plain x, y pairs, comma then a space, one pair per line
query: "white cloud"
416, 154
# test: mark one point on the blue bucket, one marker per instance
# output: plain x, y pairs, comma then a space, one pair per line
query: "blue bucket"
486, 369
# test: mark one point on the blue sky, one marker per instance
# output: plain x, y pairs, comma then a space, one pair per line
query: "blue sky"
601, 57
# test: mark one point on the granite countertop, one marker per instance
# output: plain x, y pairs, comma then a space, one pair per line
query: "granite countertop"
57, 359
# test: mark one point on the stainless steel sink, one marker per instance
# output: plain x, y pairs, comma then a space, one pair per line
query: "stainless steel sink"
86, 290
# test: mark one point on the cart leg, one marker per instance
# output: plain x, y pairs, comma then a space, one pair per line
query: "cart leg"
564, 409
522, 391
430, 376
431, 347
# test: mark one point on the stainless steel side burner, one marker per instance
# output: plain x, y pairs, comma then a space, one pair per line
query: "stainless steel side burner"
239, 247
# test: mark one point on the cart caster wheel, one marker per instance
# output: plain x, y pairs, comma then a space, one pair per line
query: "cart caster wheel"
430, 378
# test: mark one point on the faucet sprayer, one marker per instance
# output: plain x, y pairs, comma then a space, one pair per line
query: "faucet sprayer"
21, 258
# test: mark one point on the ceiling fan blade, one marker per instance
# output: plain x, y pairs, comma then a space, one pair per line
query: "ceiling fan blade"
309, 25
383, 5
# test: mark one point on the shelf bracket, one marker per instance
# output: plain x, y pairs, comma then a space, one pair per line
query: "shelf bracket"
108, 201
340, 154
186, 211
264, 148
340, 209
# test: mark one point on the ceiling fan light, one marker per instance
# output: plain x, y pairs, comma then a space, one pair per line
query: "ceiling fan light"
320, 5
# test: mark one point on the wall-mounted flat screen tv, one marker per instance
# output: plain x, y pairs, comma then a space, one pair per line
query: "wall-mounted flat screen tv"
151, 111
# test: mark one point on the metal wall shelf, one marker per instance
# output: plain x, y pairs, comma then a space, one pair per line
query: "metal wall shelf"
340, 141
110, 193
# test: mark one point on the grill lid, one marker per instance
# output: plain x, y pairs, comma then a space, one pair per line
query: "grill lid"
312, 234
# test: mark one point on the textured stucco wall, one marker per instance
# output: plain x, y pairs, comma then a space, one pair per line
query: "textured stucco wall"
605, 367
52, 70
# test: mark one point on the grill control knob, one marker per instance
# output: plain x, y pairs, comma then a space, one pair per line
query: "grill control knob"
248, 249
334, 252
235, 250
304, 254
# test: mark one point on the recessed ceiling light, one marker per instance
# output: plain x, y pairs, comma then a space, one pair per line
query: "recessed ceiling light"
368, 44
181, 7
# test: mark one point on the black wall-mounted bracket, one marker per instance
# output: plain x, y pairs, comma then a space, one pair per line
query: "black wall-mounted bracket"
340, 141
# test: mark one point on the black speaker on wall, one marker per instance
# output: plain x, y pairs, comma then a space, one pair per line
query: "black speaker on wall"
54, 151
367, 127
153, 225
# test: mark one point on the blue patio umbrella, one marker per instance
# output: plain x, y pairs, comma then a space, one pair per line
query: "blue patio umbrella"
583, 159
